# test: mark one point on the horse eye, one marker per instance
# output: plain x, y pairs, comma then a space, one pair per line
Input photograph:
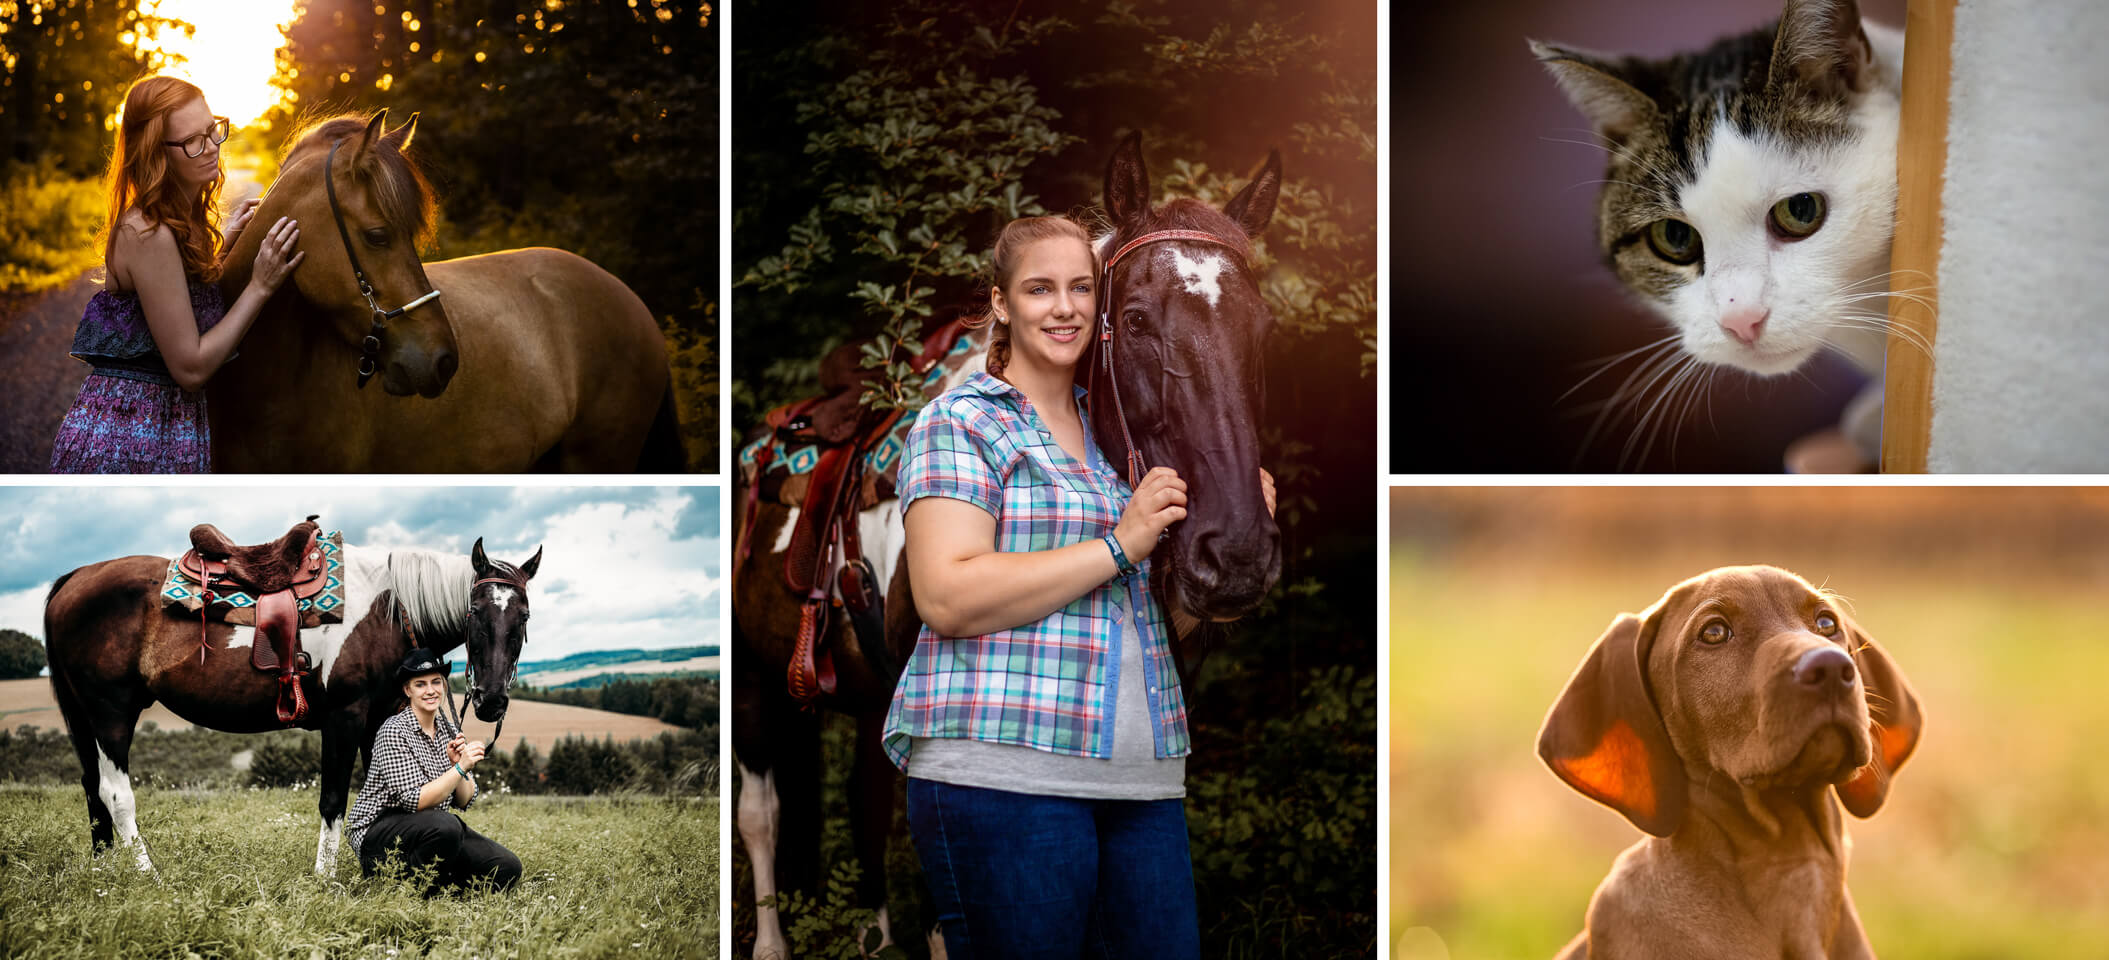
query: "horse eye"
1826, 625
378, 238
1715, 632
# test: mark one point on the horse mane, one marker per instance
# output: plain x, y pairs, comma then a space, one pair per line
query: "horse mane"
1184, 213
434, 588
399, 187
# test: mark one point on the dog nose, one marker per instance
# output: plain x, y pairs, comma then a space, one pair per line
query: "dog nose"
1824, 665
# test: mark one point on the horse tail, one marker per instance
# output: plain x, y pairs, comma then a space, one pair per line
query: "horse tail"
662, 451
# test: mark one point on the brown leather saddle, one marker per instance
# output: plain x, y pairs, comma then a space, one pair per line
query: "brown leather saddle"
279, 574
840, 484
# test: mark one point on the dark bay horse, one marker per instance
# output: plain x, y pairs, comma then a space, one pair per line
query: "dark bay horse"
528, 359
1174, 379
114, 649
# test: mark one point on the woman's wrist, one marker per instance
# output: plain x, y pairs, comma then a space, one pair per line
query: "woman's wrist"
1123, 567
458, 769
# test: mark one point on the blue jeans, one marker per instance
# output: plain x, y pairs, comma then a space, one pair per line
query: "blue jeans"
1020, 875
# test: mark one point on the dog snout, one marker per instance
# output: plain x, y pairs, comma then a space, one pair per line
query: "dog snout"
1824, 667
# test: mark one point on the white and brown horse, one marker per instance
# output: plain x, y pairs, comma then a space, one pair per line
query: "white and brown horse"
526, 359
114, 649
1174, 379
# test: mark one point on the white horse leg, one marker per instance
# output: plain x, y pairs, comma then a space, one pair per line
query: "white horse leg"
114, 786
326, 844
758, 814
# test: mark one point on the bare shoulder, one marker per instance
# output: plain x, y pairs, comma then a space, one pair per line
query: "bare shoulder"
143, 253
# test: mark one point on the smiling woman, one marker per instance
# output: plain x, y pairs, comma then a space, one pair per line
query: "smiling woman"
230, 50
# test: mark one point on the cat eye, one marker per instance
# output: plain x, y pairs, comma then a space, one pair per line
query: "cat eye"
1797, 216
1715, 632
1674, 240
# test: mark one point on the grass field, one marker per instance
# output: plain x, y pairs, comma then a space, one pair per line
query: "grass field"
1994, 839
234, 878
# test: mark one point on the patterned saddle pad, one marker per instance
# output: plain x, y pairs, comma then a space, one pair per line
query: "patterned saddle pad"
789, 464
179, 591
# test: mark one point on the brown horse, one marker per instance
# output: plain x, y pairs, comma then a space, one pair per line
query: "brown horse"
1174, 379
528, 359
115, 649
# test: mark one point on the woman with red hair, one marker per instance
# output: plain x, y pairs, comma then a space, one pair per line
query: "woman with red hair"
159, 328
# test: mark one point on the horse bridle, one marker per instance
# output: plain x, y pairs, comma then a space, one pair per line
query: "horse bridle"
1105, 331
458, 712
370, 349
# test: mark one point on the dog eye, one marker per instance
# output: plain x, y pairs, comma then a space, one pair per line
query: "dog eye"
1826, 624
1715, 632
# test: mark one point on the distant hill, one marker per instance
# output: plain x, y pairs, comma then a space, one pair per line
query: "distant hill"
608, 658
603, 679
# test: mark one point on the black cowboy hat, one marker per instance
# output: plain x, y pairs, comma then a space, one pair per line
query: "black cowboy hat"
420, 662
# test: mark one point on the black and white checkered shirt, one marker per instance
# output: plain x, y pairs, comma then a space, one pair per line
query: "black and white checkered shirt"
404, 761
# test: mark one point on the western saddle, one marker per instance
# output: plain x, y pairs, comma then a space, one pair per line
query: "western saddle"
280, 574
844, 430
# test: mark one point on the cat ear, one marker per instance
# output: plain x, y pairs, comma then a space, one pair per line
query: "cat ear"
1598, 86
1821, 47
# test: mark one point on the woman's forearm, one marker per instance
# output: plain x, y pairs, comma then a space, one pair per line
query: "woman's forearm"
211, 349
464, 792
442, 785
971, 596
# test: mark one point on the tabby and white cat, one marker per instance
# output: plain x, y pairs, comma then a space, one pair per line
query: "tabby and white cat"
1752, 188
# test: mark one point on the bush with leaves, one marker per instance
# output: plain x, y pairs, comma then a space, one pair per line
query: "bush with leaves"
21, 655
284, 764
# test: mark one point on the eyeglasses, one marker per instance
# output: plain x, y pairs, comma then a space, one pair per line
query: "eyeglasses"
192, 147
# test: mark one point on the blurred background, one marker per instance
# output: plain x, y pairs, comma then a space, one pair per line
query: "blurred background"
1501, 299
587, 126
1991, 600
882, 146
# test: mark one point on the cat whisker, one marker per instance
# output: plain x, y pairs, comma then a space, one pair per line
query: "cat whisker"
1604, 365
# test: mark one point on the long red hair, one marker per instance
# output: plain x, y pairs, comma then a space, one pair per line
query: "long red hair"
139, 178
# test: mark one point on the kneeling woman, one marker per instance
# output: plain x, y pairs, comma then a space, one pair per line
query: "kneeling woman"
419, 769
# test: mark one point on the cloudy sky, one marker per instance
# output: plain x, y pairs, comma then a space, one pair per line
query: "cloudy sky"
622, 567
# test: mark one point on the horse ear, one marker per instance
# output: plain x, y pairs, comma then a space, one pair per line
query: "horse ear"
404, 134
374, 128
1127, 182
476, 557
527, 570
1254, 205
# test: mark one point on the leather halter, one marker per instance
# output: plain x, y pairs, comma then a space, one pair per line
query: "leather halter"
469, 664
1105, 331
370, 349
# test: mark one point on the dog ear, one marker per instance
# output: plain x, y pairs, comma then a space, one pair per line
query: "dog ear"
1893, 722
1604, 736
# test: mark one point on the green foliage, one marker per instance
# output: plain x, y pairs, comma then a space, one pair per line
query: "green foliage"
48, 224
921, 154
233, 876
282, 764
833, 926
579, 765
68, 64
21, 655
692, 356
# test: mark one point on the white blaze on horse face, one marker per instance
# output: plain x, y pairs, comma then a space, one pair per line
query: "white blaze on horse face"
501, 595
757, 818
1202, 274
326, 847
114, 788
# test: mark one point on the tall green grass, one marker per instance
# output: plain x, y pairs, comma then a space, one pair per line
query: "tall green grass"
1992, 844
234, 878
48, 223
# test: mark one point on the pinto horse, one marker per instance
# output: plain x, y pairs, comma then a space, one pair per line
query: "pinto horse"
1174, 378
115, 649
527, 359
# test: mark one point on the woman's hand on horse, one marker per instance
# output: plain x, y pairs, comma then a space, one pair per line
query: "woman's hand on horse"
242, 212
1158, 502
276, 259
1267, 489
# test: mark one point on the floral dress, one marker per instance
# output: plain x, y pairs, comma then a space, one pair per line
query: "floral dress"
130, 416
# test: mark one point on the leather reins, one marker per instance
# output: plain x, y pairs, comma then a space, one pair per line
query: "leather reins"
370, 348
1134, 459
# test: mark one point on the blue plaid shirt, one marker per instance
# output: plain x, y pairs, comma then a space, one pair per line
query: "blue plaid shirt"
1050, 684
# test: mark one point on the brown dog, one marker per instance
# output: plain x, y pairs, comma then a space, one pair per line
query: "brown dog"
1720, 721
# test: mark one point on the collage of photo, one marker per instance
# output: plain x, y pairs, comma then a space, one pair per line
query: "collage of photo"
1122, 479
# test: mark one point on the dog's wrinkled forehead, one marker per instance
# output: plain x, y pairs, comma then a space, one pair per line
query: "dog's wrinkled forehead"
1750, 593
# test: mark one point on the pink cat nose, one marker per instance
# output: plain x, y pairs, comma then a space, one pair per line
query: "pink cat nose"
1745, 323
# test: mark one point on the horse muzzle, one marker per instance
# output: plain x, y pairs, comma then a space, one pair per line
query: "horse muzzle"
489, 708
1219, 575
425, 374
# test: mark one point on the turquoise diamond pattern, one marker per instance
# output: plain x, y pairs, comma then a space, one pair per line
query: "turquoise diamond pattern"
803, 459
